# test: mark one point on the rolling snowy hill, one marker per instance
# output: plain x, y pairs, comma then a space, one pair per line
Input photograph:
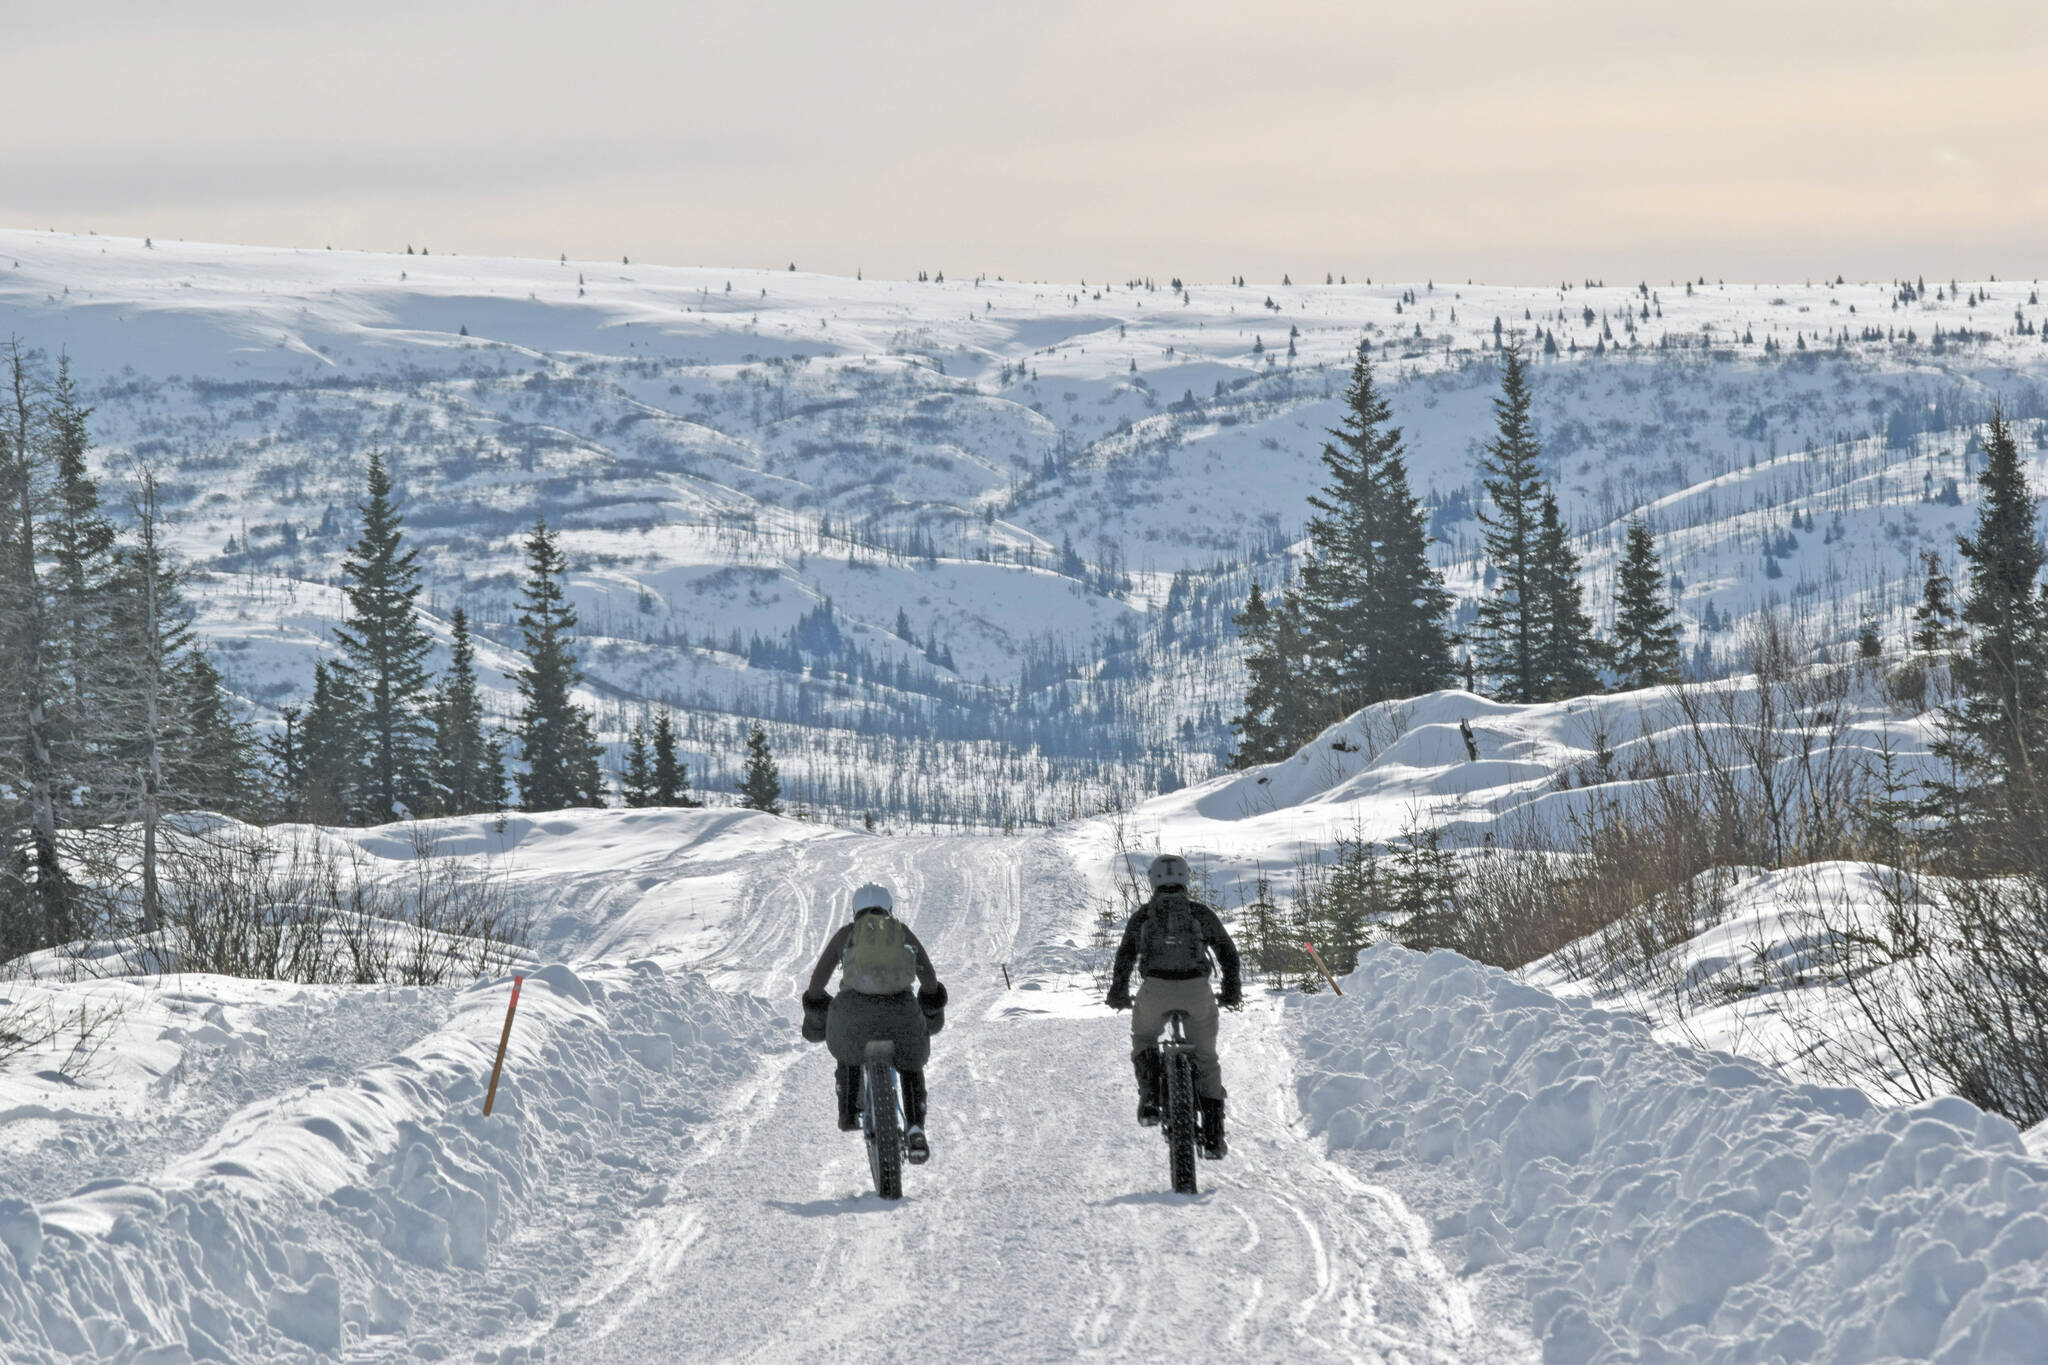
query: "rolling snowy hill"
1031, 507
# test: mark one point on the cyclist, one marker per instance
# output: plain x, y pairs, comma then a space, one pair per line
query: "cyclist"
881, 960
1170, 939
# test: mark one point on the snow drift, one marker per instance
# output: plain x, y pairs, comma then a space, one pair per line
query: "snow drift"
1659, 1203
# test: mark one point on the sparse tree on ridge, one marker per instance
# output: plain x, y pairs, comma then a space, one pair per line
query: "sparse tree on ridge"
555, 734
1281, 711
671, 774
469, 763
1568, 653
1934, 621
1645, 638
330, 747
386, 650
1258, 740
1508, 632
1372, 606
761, 785
636, 774
1998, 730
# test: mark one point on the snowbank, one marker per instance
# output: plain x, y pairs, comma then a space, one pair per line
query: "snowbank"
336, 1213
1658, 1203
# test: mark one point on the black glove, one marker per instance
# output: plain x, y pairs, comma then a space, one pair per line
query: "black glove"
933, 1003
1119, 997
814, 1016
1232, 997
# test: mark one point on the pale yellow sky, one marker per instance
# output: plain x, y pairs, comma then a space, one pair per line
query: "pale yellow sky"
1522, 142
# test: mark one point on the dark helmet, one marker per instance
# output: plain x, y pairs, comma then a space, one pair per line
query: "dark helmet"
1169, 869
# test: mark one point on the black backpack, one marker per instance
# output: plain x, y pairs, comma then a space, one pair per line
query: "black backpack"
1171, 943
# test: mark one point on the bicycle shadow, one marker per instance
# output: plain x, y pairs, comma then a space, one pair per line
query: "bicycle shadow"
827, 1208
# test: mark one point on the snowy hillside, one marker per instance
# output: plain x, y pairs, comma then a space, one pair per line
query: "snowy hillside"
992, 483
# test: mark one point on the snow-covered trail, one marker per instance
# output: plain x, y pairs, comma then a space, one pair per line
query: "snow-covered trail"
1041, 1229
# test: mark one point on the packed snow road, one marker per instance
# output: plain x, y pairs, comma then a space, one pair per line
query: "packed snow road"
1041, 1229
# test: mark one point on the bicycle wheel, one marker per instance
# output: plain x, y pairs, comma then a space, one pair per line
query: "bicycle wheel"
884, 1124
1180, 1121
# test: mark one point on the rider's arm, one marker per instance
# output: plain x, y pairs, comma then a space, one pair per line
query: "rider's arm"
1127, 951
828, 961
1225, 950
927, 975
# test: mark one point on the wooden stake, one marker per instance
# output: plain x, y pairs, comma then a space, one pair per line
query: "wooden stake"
1006, 976
491, 1096
1318, 958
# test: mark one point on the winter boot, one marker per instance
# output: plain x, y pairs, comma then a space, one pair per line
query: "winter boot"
916, 1150
1213, 1145
849, 1098
1146, 1064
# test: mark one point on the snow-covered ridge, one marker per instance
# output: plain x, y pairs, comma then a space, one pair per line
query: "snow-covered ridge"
994, 460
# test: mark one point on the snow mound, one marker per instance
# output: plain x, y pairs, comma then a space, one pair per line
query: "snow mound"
335, 1215
1663, 1204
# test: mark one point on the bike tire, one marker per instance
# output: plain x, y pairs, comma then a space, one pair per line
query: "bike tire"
1180, 1122
884, 1128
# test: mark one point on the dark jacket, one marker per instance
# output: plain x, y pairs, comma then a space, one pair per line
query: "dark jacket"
1214, 937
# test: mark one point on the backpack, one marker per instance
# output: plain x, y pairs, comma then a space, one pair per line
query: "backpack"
1171, 943
879, 959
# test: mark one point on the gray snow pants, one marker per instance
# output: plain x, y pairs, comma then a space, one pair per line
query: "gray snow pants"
857, 1019
1155, 997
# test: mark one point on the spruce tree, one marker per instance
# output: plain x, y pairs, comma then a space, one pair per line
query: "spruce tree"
1569, 653
555, 734
671, 774
1934, 621
636, 775
1509, 627
209, 760
1998, 731
40, 900
331, 763
1258, 737
1645, 637
386, 648
761, 785
82, 547
1373, 607
469, 763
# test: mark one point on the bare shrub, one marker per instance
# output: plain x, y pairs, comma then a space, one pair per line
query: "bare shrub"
240, 903
1756, 773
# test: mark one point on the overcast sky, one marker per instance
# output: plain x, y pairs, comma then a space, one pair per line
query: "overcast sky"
1507, 140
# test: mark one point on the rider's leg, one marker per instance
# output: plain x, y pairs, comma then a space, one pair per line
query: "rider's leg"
849, 1097
1146, 1065
1213, 1144
915, 1145
913, 1098
1203, 1019
1148, 1016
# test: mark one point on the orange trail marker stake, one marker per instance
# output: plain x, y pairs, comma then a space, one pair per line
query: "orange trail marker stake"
1318, 957
505, 1037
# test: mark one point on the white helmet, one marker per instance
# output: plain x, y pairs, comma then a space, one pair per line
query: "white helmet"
1169, 869
873, 896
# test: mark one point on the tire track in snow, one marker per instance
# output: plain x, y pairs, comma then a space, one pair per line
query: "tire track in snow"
1043, 1200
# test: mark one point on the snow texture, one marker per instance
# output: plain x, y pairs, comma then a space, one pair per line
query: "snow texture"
1658, 1203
